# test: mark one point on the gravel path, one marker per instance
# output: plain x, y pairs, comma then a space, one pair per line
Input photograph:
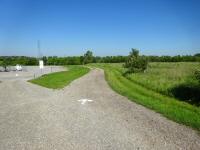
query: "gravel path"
33, 117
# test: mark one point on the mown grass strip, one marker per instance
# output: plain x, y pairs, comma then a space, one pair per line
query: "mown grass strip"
59, 80
171, 108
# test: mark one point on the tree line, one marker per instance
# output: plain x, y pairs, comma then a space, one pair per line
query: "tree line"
178, 58
88, 57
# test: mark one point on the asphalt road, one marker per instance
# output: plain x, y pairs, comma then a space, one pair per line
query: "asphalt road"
86, 115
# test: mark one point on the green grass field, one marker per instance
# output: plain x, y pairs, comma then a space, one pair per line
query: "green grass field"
172, 79
162, 77
59, 80
169, 107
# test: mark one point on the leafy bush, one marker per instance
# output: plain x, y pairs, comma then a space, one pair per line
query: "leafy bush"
135, 63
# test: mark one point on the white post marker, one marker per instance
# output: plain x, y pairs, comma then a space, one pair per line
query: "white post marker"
83, 101
41, 64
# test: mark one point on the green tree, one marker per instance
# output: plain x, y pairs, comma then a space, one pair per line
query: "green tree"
5, 63
135, 63
88, 57
44, 58
197, 75
134, 53
197, 55
1, 62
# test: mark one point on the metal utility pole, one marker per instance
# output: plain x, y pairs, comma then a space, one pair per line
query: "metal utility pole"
41, 62
39, 50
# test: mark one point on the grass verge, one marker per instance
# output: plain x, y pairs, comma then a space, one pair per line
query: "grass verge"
59, 80
171, 108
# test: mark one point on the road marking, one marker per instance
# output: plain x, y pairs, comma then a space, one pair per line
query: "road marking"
16, 75
83, 101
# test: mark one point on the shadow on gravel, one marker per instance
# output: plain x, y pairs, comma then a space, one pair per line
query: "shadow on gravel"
188, 93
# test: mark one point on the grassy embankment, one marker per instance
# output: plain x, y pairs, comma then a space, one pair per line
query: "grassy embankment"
169, 107
59, 80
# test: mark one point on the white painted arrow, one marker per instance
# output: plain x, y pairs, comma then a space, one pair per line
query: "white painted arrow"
83, 101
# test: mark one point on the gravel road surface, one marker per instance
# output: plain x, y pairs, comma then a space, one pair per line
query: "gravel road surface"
86, 115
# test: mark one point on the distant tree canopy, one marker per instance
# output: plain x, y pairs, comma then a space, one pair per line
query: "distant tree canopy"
89, 58
197, 55
135, 63
70, 60
23, 60
6, 62
178, 58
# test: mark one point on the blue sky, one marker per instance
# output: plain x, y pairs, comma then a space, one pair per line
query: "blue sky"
107, 27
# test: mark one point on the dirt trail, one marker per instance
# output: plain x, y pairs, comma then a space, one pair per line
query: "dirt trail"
33, 117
